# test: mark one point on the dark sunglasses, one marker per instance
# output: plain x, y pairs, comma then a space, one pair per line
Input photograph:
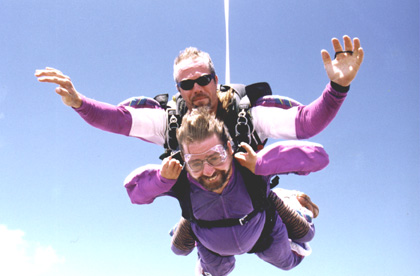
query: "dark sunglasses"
202, 81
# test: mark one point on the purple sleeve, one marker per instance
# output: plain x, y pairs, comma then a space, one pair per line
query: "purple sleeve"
145, 184
313, 118
106, 117
291, 157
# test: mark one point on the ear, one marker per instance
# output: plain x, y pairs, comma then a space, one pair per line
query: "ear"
216, 79
229, 147
177, 88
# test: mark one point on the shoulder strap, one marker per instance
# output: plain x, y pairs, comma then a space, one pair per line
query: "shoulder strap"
256, 187
182, 193
244, 128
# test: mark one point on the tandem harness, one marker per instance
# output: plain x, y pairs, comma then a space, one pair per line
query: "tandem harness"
238, 117
257, 190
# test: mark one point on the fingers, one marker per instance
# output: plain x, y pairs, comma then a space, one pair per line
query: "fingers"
247, 147
61, 91
358, 51
336, 45
49, 71
52, 75
348, 45
244, 155
171, 168
247, 159
171, 163
356, 43
326, 58
241, 157
360, 56
66, 90
65, 82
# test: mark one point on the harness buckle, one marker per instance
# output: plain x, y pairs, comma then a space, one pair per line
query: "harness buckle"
172, 126
173, 120
243, 221
242, 122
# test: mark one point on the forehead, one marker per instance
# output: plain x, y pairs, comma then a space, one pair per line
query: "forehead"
202, 146
192, 68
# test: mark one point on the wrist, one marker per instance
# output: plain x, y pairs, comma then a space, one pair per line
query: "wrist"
77, 103
339, 88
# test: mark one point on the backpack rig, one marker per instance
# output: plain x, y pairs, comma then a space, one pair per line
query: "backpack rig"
237, 119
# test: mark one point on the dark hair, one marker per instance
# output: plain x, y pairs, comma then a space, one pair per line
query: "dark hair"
200, 124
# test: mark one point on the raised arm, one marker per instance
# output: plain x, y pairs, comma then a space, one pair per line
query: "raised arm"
282, 118
141, 117
101, 115
296, 121
341, 71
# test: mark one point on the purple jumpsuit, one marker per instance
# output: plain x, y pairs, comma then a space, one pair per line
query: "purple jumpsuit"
218, 246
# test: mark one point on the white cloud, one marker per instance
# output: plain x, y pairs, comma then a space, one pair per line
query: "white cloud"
19, 257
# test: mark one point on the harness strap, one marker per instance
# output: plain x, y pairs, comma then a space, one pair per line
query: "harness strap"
265, 240
226, 222
256, 188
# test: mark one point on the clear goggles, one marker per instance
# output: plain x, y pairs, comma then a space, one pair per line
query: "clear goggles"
214, 157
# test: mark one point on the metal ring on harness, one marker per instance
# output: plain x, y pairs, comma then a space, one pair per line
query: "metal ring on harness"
243, 122
172, 127
173, 120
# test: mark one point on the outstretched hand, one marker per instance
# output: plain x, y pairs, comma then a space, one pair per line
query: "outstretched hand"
171, 168
343, 69
247, 159
66, 90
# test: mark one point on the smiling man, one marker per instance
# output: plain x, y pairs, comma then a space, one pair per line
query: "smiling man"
225, 196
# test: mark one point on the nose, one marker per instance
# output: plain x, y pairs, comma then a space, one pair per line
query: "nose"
208, 170
196, 88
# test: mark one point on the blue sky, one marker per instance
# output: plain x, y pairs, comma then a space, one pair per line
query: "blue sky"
63, 208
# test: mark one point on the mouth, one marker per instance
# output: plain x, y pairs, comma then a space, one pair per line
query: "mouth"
199, 98
215, 182
212, 178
